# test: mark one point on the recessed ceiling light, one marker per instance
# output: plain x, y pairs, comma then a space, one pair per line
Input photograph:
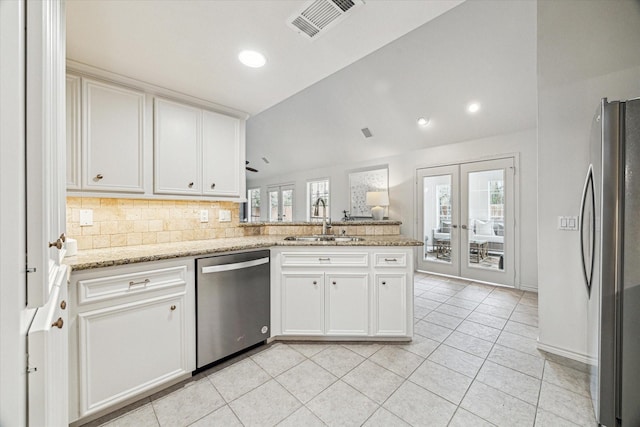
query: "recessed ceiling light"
474, 107
252, 59
423, 122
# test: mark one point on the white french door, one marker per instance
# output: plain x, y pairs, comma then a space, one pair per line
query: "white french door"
466, 220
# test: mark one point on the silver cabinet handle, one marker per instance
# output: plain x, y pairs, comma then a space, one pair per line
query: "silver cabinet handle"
143, 282
391, 259
99, 177
324, 259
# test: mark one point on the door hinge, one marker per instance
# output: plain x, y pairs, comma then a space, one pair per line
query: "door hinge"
513, 168
31, 270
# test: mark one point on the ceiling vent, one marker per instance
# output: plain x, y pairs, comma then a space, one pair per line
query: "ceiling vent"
318, 16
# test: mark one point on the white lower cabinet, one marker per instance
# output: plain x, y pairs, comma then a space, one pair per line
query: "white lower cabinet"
390, 296
132, 332
347, 296
353, 293
303, 300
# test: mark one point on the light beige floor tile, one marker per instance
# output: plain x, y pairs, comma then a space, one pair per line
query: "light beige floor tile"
452, 310
187, 404
547, 419
574, 364
266, 405
422, 346
527, 309
384, 418
458, 360
420, 407
517, 360
364, 349
426, 303
501, 312
220, 417
509, 381
143, 416
442, 290
478, 330
338, 360
420, 312
463, 418
566, 404
308, 349
397, 360
495, 302
341, 404
520, 343
278, 359
472, 294
238, 379
473, 345
441, 319
442, 381
433, 296
498, 407
566, 377
487, 320
521, 329
464, 303
374, 381
527, 319
432, 331
301, 417
306, 380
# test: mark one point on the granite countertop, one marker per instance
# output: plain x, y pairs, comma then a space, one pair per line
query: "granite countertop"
96, 258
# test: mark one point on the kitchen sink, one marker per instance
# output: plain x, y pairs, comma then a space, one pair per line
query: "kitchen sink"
320, 238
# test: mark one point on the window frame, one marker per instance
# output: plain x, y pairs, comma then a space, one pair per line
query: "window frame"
312, 198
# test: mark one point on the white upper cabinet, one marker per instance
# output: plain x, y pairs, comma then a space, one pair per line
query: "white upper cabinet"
113, 137
178, 148
73, 132
197, 151
221, 163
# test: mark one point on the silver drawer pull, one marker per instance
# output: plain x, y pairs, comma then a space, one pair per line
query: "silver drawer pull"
143, 282
324, 259
391, 259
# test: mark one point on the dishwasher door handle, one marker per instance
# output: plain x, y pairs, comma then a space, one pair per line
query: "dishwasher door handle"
235, 266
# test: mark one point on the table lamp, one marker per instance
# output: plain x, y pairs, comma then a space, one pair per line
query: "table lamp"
377, 199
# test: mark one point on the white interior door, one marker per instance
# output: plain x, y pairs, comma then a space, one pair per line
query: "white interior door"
466, 220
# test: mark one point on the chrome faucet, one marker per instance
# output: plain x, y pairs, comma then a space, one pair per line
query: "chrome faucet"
316, 211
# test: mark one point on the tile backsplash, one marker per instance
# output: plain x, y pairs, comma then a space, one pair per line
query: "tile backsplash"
129, 222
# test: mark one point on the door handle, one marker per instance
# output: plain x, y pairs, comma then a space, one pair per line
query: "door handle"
464, 227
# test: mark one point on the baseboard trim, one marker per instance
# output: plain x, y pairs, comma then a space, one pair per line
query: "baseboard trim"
580, 357
528, 288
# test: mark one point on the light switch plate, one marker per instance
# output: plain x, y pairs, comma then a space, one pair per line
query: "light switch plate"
86, 217
224, 215
568, 223
204, 215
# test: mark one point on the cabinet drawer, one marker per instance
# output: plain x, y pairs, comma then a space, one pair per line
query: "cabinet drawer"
333, 259
390, 260
109, 287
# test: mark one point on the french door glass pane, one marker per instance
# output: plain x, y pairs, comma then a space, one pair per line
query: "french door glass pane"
287, 205
437, 211
486, 219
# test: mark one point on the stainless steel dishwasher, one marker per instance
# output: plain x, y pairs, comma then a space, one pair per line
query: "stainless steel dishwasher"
232, 304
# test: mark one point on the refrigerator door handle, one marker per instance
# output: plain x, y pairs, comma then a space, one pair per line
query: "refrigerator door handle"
588, 188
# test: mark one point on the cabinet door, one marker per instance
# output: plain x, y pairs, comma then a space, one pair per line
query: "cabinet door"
113, 137
390, 304
177, 148
221, 163
347, 311
73, 132
130, 348
302, 304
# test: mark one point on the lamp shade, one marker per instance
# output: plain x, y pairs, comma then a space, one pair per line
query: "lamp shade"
377, 198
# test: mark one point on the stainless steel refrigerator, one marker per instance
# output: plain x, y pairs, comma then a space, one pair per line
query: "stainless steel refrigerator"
610, 248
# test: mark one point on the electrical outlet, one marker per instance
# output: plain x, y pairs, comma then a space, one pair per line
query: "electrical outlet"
204, 215
224, 215
570, 223
86, 217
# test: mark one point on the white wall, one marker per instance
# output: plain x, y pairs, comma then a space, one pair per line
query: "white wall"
586, 51
402, 175
13, 317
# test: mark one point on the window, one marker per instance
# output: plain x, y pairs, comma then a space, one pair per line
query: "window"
443, 192
317, 190
253, 198
281, 203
